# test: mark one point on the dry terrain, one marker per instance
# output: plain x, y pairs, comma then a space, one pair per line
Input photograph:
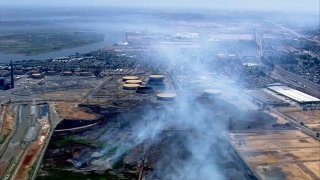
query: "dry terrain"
310, 118
279, 154
7, 124
72, 111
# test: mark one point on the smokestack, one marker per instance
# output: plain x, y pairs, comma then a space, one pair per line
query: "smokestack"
12, 78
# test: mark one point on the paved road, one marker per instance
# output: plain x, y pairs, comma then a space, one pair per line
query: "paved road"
14, 148
23, 123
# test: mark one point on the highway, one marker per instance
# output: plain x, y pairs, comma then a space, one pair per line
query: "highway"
15, 147
288, 77
293, 79
294, 32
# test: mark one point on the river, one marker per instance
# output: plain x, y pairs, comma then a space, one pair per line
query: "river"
112, 22
109, 40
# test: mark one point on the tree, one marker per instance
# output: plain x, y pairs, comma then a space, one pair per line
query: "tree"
97, 72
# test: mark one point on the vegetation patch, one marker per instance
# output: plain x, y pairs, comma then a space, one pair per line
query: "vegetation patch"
72, 139
36, 43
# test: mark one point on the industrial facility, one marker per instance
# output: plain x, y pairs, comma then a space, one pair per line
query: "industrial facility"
215, 101
295, 95
264, 99
4, 85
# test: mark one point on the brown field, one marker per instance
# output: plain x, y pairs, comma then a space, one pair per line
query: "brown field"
72, 111
314, 167
280, 120
69, 96
279, 154
283, 171
310, 118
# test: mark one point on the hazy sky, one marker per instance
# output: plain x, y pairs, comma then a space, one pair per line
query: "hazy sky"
292, 5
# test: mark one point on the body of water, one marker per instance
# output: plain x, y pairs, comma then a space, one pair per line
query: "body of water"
109, 40
110, 22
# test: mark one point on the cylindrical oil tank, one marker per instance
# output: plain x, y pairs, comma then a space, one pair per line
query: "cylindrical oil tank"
131, 86
126, 78
33, 72
134, 82
212, 93
51, 73
156, 78
145, 90
37, 76
85, 73
66, 73
166, 96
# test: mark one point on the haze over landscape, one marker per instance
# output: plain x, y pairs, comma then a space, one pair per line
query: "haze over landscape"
256, 5
171, 89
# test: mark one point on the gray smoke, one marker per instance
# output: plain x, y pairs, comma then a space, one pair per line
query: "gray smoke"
193, 154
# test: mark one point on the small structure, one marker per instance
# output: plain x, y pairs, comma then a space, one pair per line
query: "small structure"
12, 75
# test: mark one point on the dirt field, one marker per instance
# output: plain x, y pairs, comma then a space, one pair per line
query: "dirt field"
69, 96
279, 154
280, 120
314, 167
7, 125
72, 111
310, 118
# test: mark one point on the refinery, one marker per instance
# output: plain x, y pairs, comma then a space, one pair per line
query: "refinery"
196, 100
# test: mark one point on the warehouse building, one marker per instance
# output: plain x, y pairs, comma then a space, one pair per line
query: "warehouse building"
298, 96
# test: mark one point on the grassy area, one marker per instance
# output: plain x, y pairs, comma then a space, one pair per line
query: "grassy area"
119, 162
7, 124
56, 173
31, 170
36, 43
71, 139
3, 138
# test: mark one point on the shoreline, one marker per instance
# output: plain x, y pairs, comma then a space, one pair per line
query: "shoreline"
108, 40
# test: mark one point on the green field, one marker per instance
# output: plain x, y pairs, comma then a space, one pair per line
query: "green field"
36, 43
70, 175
